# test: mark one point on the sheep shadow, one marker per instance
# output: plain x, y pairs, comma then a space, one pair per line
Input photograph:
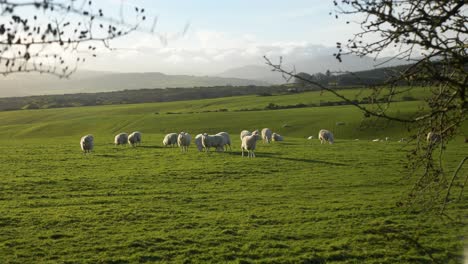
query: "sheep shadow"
151, 147
113, 156
276, 156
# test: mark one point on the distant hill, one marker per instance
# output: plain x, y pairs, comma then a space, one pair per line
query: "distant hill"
128, 96
91, 82
318, 64
134, 96
254, 72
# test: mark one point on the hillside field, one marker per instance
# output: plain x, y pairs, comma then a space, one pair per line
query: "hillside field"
297, 202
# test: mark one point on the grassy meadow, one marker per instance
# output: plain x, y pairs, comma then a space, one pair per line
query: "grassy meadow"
297, 202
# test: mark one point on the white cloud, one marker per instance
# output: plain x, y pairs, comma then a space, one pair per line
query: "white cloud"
203, 52
175, 59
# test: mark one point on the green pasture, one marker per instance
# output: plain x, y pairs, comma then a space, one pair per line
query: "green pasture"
297, 202
106, 121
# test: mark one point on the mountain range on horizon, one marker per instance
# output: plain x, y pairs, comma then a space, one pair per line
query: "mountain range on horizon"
318, 64
83, 81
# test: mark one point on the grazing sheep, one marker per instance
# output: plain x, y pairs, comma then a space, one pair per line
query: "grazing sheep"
216, 141
249, 143
121, 139
198, 142
311, 137
170, 139
134, 138
87, 143
432, 137
245, 133
266, 135
183, 140
276, 137
227, 139
376, 140
325, 136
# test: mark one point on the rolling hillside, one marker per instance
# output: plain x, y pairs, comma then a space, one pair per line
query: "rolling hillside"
231, 114
92, 82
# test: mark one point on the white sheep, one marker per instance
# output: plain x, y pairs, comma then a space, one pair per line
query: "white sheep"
277, 137
376, 140
244, 133
215, 141
170, 139
198, 142
121, 139
227, 139
183, 140
310, 137
266, 135
325, 136
134, 138
432, 137
87, 143
249, 143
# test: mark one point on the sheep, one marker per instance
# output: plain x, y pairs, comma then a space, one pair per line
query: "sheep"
87, 143
198, 142
325, 136
170, 139
432, 137
216, 141
276, 137
227, 139
376, 140
121, 139
249, 143
183, 140
310, 137
134, 138
266, 135
244, 133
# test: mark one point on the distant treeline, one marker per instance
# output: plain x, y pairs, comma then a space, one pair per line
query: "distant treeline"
362, 78
138, 96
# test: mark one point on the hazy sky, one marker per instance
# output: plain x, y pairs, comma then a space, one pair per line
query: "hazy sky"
223, 34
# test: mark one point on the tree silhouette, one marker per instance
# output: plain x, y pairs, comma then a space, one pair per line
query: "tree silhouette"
430, 37
53, 37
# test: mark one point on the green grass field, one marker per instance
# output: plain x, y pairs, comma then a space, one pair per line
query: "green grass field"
297, 202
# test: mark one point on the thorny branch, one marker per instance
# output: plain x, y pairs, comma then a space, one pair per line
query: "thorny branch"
57, 36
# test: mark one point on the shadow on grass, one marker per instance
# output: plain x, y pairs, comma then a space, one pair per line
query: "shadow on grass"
152, 147
276, 156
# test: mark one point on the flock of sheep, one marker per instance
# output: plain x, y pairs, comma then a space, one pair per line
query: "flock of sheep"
220, 141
